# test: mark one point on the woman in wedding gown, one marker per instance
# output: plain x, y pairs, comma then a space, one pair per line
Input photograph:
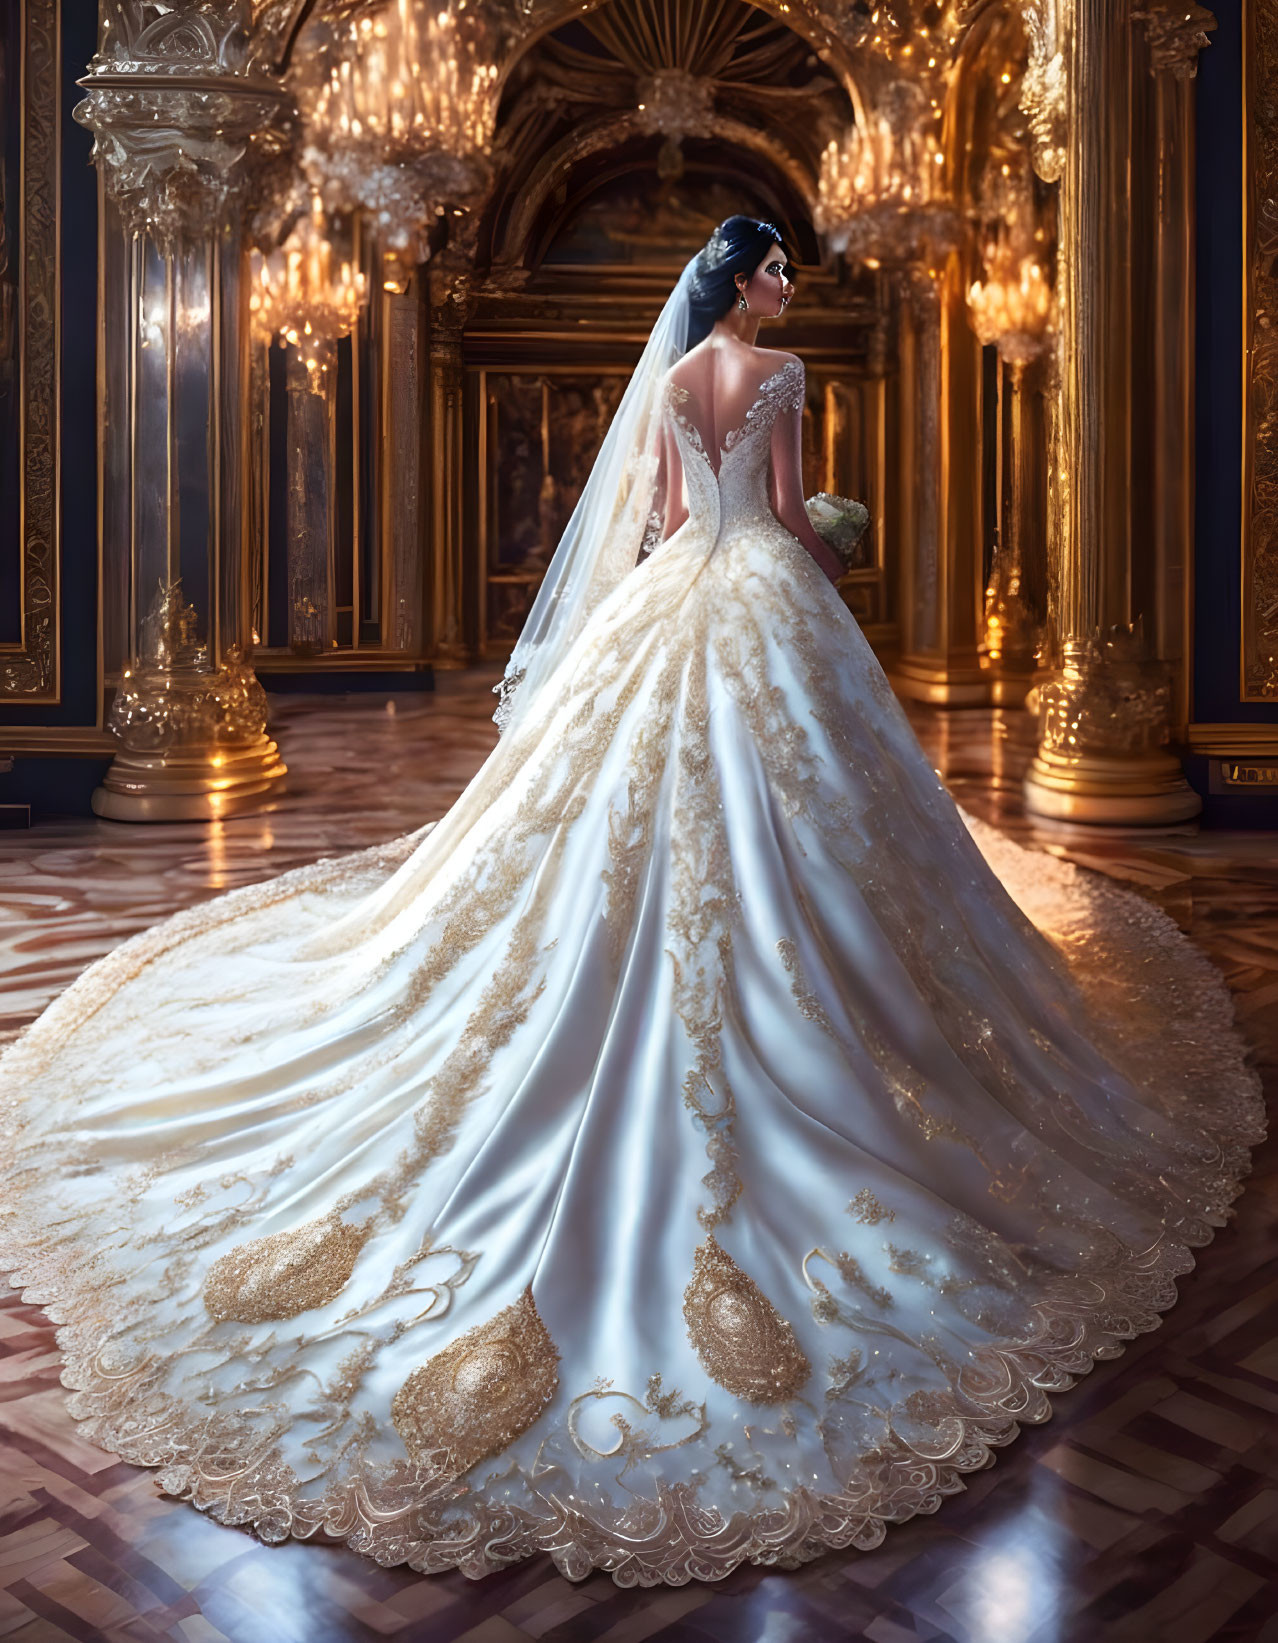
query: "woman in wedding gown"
685, 1151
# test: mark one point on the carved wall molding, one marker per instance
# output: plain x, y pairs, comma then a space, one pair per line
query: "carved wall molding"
612, 132
1043, 91
1176, 30
30, 672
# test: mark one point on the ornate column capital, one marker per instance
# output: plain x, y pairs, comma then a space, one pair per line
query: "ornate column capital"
449, 279
1044, 96
450, 301
1176, 30
174, 103
921, 287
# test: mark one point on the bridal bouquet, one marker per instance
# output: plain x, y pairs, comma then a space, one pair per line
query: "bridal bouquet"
840, 523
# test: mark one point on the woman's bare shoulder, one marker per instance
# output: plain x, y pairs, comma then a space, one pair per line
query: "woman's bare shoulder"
772, 360
743, 357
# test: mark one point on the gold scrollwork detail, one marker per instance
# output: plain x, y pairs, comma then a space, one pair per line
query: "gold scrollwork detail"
285, 1273
175, 697
482, 1392
1108, 696
743, 1342
29, 672
1043, 89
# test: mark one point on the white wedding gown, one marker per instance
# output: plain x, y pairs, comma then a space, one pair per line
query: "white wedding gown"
684, 1152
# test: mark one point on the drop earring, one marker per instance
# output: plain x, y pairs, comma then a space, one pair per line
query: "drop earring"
742, 304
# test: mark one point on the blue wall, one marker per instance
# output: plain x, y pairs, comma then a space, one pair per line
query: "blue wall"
65, 784
1218, 409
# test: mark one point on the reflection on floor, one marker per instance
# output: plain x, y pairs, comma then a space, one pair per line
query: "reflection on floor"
1146, 1511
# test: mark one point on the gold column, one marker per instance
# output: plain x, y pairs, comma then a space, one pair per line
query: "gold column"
171, 135
404, 529
877, 469
1015, 592
941, 583
258, 504
445, 615
31, 354
312, 501
1170, 417
1104, 711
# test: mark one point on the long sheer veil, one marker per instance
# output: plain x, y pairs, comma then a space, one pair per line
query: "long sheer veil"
601, 541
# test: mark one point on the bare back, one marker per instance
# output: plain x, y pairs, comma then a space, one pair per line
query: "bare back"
722, 381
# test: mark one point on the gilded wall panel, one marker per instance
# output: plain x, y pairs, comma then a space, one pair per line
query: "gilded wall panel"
543, 430
30, 670
1260, 354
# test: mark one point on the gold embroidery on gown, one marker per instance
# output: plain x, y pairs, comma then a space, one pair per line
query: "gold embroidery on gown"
480, 1393
285, 1273
743, 1342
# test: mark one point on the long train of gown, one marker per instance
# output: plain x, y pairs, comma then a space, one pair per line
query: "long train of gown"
684, 1152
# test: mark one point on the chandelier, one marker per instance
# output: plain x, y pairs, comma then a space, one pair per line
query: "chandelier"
399, 117
1013, 307
302, 293
881, 195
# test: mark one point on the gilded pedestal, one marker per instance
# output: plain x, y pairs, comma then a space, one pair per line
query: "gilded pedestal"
1103, 719
193, 742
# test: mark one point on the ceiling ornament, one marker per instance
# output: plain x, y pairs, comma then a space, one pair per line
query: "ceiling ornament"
676, 104
678, 69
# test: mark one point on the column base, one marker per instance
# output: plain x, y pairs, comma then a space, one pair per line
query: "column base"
1143, 790
939, 684
196, 784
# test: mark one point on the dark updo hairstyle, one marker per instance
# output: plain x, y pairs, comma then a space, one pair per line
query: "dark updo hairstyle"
737, 246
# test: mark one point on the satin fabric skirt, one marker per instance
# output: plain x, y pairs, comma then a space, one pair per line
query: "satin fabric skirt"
702, 1145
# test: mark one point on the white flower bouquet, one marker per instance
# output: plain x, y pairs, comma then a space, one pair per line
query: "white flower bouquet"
840, 523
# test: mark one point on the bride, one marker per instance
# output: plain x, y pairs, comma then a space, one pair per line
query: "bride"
686, 1151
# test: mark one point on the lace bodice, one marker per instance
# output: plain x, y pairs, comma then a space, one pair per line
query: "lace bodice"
730, 486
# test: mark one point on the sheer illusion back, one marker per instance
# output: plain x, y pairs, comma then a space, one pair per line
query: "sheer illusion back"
733, 440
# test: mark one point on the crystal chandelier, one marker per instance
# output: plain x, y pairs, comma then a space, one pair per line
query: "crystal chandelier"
399, 120
881, 195
1013, 306
304, 294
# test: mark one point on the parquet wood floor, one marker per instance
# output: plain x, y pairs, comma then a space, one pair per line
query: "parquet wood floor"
1145, 1511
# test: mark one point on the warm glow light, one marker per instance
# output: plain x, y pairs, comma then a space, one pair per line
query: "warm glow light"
881, 190
405, 119
302, 290
1012, 307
